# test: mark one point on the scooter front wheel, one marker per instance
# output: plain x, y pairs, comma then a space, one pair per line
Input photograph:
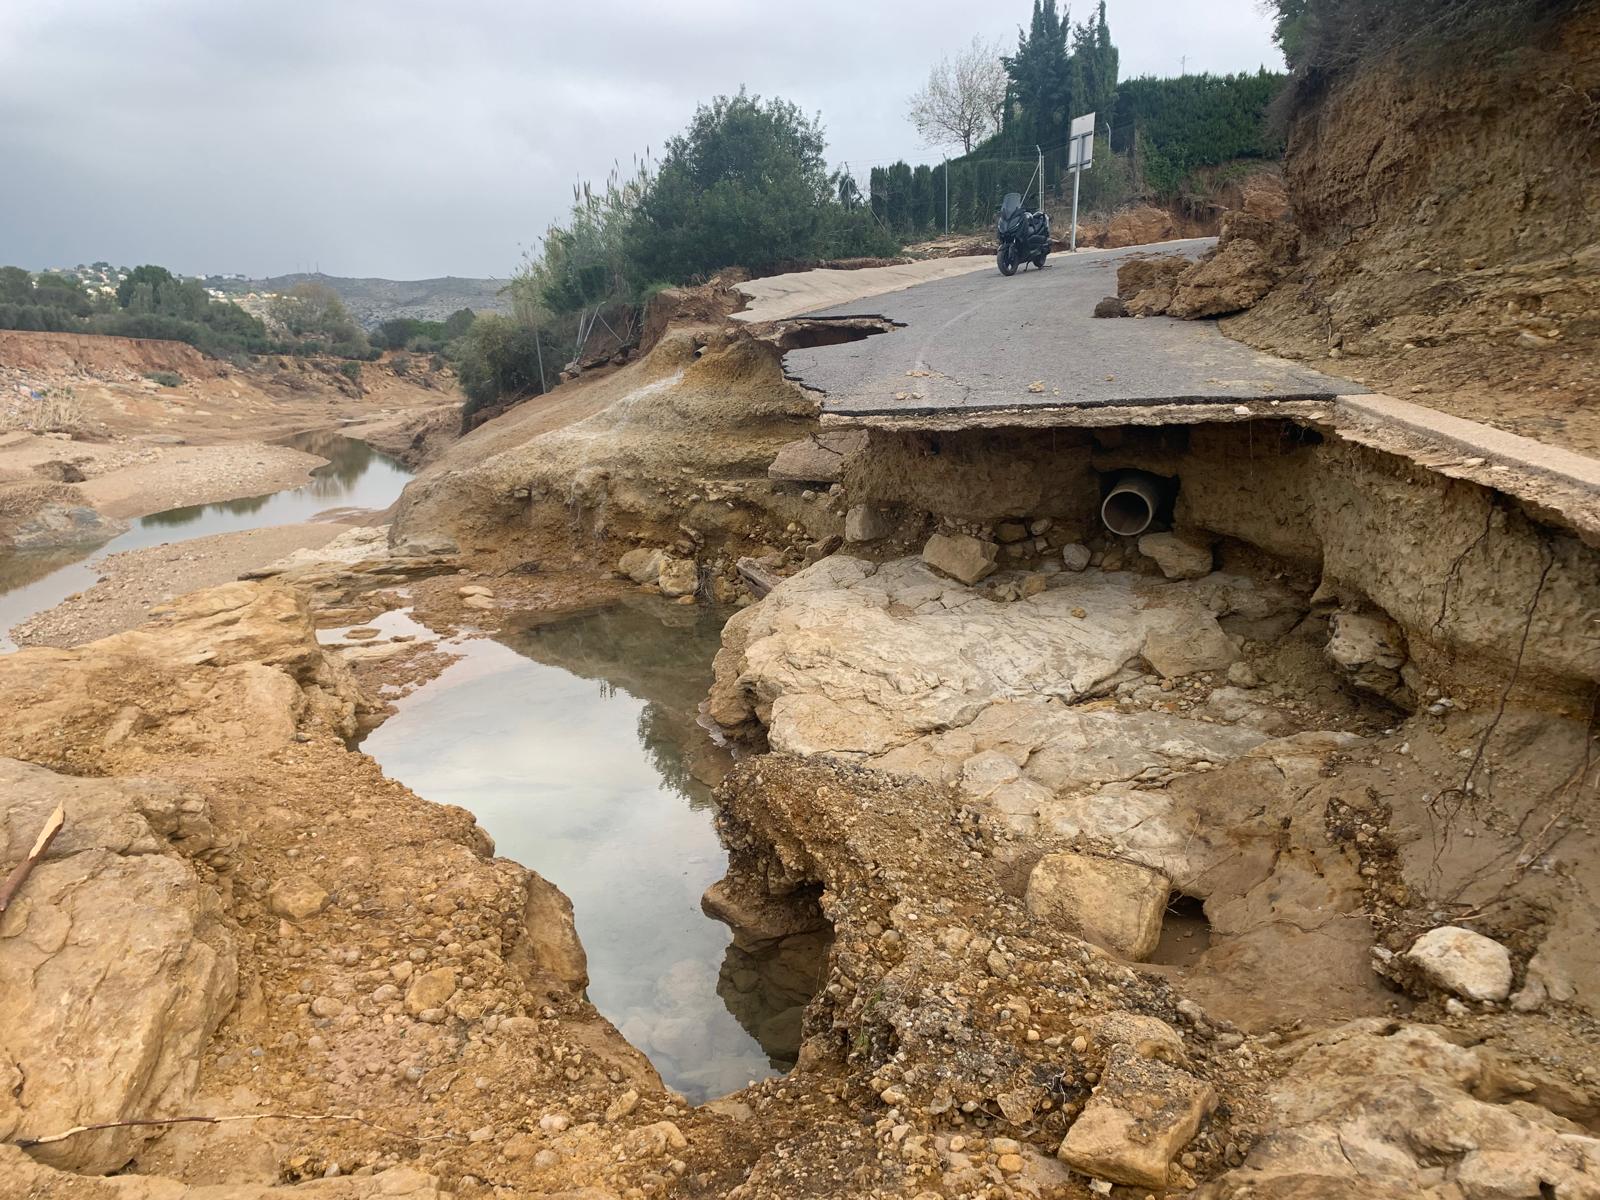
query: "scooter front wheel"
1006, 261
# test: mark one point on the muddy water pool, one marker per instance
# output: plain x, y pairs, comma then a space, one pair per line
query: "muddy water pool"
575, 743
355, 476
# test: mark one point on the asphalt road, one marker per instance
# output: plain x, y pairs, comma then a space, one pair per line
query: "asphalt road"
981, 342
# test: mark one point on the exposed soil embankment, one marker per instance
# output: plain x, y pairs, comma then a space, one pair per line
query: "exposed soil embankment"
123, 427
672, 450
1447, 205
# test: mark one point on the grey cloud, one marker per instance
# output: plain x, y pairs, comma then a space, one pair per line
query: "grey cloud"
409, 139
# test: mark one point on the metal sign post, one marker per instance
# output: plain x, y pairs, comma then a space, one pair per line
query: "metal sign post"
1080, 157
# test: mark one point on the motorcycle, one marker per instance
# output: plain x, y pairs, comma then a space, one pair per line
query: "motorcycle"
1024, 236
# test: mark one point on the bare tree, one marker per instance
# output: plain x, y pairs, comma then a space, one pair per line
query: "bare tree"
963, 98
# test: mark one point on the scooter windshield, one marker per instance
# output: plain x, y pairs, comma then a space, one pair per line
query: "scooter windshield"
1010, 205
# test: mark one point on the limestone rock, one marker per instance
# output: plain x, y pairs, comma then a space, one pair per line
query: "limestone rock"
296, 897
818, 458
237, 664
1141, 1115
1148, 1037
430, 990
1178, 557
679, 577
897, 664
1075, 557
642, 565
131, 936
864, 523
1242, 674
1369, 650
1111, 306
1176, 652
1463, 962
961, 556
1114, 904
1376, 1109
549, 945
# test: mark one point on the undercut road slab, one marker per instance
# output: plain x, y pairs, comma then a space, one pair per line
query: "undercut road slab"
984, 345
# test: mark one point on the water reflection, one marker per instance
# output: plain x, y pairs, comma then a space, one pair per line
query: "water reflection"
574, 741
349, 462
355, 476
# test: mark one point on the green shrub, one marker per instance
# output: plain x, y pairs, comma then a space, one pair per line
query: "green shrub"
497, 358
169, 379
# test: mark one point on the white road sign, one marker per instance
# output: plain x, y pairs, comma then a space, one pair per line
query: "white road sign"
1080, 151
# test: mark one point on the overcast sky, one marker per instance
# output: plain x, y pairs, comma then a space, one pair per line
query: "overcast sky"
407, 139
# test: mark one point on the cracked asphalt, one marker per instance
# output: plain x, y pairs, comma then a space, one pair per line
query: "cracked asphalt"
980, 343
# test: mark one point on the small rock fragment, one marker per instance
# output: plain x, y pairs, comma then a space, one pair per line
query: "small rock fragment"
1178, 557
430, 990
961, 556
1075, 557
1142, 1113
296, 897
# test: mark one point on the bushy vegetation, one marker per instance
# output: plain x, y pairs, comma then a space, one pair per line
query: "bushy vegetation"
500, 357
1322, 39
745, 185
152, 302
315, 317
1168, 127
423, 337
1151, 134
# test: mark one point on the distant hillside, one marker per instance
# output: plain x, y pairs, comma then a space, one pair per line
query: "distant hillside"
372, 301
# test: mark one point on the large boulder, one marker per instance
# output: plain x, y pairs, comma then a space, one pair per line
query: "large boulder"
115, 969
1113, 903
897, 666
1237, 276
642, 565
1461, 961
678, 577
237, 665
549, 949
1147, 283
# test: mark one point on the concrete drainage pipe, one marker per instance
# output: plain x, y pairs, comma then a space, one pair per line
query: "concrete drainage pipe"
1131, 504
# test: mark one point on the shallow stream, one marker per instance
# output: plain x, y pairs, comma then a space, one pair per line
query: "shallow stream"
575, 743
355, 476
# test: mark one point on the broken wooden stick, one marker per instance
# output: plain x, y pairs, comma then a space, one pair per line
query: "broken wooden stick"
23, 869
757, 578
